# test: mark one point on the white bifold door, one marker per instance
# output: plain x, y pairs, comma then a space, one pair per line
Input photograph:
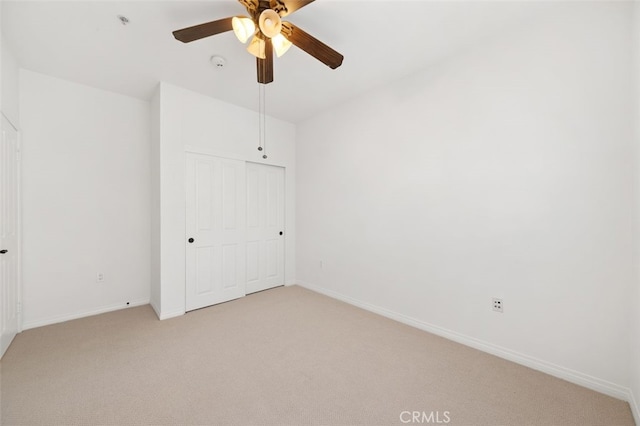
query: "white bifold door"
9, 235
265, 227
234, 229
215, 230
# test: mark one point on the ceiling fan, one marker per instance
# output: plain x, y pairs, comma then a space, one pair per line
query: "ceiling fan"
269, 33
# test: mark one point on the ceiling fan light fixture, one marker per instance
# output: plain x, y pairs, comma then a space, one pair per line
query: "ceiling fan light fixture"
243, 28
257, 47
270, 23
280, 44
270, 34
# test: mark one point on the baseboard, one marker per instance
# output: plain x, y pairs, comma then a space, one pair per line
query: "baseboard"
68, 317
569, 375
635, 409
164, 316
155, 308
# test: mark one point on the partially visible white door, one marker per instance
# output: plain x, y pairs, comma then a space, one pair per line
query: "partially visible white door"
9, 235
215, 230
265, 227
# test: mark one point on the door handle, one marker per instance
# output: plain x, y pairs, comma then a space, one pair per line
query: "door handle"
281, 232
3, 251
191, 240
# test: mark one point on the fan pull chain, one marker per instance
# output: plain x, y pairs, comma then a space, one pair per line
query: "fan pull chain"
259, 118
262, 121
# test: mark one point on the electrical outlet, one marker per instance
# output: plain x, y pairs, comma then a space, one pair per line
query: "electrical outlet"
100, 277
497, 305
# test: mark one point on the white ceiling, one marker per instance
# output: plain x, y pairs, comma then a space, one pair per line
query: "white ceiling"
83, 41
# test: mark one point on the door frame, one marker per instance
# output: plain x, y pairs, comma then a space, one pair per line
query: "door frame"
19, 287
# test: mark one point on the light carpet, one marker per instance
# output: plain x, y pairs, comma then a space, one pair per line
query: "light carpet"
287, 356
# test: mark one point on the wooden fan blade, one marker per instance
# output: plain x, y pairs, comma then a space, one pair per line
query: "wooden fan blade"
197, 32
312, 45
265, 66
250, 5
287, 7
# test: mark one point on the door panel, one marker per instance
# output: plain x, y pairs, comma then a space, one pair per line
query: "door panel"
253, 193
9, 235
230, 259
253, 273
265, 214
205, 270
230, 196
272, 257
204, 193
215, 219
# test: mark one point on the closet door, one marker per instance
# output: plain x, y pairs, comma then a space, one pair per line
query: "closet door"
215, 230
265, 227
10, 317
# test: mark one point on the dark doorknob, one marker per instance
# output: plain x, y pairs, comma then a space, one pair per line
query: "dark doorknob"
280, 232
191, 240
3, 251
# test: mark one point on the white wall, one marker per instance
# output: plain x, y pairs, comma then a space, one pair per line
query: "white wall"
505, 172
635, 297
190, 121
9, 78
155, 291
1, 73
86, 199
